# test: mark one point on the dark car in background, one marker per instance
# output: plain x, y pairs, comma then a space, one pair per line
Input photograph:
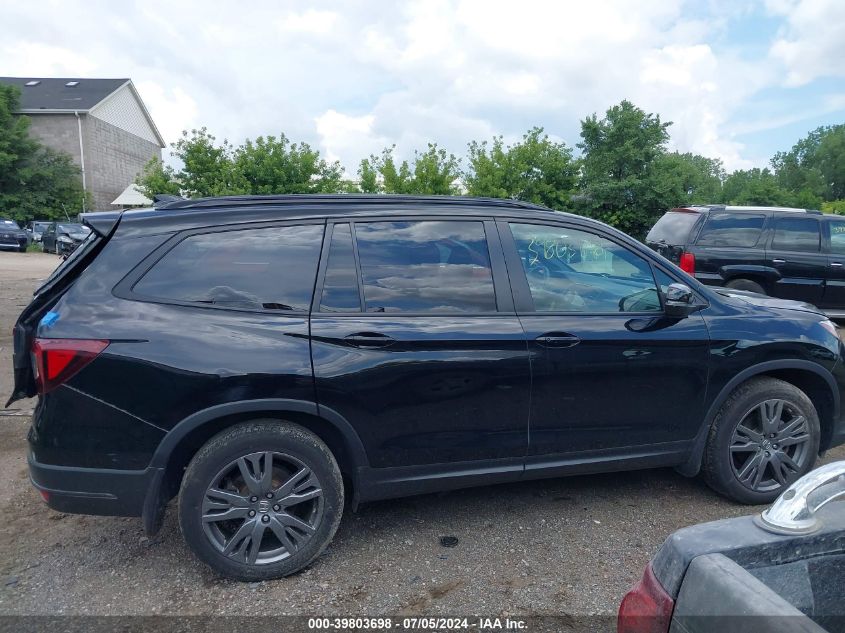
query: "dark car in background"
12, 237
62, 238
271, 360
35, 230
794, 254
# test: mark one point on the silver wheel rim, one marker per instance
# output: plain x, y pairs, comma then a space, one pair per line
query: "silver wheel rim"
770, 446
262, 508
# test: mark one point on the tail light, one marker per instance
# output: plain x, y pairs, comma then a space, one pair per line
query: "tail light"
58, 359
688, 263
647, 608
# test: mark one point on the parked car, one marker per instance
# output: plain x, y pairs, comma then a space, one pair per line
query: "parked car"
780, 571
35, 228
62, 238
274, 359
787, 253
12, 237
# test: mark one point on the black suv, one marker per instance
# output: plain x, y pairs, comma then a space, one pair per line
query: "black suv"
787, 253
272, 359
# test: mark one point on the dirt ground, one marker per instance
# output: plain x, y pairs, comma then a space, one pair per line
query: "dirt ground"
561, 546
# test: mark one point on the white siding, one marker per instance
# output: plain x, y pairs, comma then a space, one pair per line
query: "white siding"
123, 111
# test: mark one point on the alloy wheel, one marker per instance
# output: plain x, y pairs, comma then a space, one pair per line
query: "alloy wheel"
262, 508
770, 446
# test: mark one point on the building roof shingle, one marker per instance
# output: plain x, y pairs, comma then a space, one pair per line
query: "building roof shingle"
53, 93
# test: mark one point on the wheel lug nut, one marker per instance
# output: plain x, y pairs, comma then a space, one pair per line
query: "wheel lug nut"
277, 507
253, 499
774, 445
269, 495
252, 513
768, 454
265, 519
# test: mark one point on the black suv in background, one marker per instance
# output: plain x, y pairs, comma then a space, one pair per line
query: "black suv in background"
786, 253
272, 359
12, 236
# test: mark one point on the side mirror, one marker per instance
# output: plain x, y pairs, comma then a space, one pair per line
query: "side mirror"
679, 301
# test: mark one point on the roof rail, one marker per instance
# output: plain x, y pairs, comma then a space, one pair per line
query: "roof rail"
176, 203
166, 197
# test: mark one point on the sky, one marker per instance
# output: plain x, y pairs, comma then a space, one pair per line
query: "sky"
739, 80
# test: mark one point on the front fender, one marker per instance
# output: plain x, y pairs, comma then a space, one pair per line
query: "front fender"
693, 465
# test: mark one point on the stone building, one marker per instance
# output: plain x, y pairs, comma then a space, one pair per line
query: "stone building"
101, 123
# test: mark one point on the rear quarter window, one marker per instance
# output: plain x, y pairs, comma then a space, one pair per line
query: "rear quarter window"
727, 229
257, 269
673, 228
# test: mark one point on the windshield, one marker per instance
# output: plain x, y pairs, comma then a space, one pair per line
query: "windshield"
673, 228
9, 224
73, 228
40, 226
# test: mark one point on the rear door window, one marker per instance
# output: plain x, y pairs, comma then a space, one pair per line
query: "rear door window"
258, 269
425, 266
796, 234
732, 229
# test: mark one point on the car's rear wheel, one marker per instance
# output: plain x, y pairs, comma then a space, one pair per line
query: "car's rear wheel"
765, 436
261, 500
56, 249
747, 285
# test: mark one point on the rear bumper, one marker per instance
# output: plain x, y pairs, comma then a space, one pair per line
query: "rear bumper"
93, 490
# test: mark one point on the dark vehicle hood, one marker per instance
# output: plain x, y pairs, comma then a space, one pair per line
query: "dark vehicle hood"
765, 301
78, 236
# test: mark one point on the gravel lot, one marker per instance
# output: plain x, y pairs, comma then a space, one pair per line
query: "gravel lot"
562, 546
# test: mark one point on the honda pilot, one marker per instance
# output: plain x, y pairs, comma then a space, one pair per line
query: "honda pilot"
270, 361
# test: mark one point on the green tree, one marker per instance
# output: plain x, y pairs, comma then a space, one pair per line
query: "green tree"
275, 165
433, 172
684, 179
815, 165
267, 165
36, 182
755, 186
536, 170
618, 163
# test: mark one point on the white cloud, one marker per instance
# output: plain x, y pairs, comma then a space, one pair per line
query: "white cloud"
812, 43
311, 21
350, 77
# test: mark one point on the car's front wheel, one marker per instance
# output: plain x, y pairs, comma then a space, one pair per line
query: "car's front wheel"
261, 500
764, 437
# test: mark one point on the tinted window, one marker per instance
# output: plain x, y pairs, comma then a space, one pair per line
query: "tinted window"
574, 271
796, 234
270, 269
837, 237
673, 228
425, 267
340, 287
725, 229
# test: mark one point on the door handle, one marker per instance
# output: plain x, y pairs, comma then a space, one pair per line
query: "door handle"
778, 261
557, 339
837, 264
369, 339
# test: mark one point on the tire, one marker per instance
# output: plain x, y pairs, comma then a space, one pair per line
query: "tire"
729, 457
56, 249
303, 470
43, 248
746, 284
